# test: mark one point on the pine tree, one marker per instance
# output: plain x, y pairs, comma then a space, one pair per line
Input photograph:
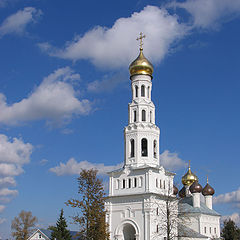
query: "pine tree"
92, 198
230, 231
60, 231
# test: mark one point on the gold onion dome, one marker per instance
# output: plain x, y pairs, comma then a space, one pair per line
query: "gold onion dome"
189, 178
141, 65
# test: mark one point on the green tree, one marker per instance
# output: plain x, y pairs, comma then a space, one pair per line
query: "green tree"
23, 225
91, 204
60, 231
230, 231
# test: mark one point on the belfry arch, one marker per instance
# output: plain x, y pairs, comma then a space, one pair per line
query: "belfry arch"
128, 230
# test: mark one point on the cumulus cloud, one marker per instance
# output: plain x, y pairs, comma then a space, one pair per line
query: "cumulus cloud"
210, 13
72, 167
171, 161
55, 100
234, 217
116, 46
231, 197
17, 22
14, 153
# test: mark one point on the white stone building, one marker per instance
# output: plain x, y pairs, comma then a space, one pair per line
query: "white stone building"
142, 193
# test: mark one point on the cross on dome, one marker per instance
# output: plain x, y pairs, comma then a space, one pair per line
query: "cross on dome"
141, 40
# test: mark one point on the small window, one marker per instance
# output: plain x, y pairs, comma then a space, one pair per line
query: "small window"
135, 182
142, 91
40, 236
124, 183
143, 115
160, 183
215, 230
134, 115
129, 182
157, 230
132, 153
156, 182
150, 116
144, 147
148, 92
157, 211
136, 91
164, 184
155, 149
210, 230
205, 229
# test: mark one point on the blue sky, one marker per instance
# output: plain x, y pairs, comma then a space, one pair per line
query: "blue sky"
65, 88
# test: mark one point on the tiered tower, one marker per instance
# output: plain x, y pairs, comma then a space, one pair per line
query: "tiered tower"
138, 191
141, 135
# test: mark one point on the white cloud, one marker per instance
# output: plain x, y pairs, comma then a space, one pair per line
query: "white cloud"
210, 13
55, 99
73, 167
231, 197
171, 161
14, 153
116, 46
8, 192
234, 217
17, 22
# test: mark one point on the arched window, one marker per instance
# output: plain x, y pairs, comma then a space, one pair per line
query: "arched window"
132, 148
142, 91
143, 115
157, 211
164, 184
156, 182
136, 91
150, 116
134, 115
157, 230
155, 149
148, 92
144, 147
160, 183
124, 183
129, 183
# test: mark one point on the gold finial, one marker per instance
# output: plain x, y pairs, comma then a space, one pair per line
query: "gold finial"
141, 40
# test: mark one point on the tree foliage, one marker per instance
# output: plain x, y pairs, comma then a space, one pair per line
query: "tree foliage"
91, 204
230, 231
23, 225
60, 231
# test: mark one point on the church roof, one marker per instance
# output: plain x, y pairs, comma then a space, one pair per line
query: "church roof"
184, 231
186, 206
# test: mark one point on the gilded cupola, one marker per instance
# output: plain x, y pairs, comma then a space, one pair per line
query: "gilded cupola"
189, 178
141, 65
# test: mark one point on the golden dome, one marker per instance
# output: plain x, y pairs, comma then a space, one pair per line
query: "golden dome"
141, 65
189, 178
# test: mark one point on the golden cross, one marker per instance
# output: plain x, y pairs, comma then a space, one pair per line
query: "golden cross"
141, 39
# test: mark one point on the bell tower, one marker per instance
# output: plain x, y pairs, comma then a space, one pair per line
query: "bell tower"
141, 135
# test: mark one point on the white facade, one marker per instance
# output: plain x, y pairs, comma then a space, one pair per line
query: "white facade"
138, 192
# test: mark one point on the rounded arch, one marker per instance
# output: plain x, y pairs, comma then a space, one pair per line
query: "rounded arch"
144, 146
127, 223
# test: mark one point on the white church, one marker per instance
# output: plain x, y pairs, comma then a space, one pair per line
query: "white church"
143, 203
